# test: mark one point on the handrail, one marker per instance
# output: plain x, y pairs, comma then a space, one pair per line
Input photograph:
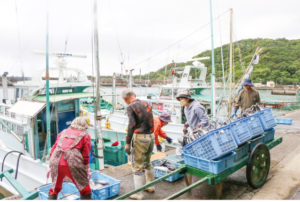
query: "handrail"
17, 166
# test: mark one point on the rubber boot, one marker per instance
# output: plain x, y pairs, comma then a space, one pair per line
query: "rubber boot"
86, 197
52, 197
139, 181
150, 178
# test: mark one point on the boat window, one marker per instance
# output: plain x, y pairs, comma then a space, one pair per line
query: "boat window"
167, 92
17, 93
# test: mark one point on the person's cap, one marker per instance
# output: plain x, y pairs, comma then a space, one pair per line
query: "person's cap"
184, 94
165, 117
248, 82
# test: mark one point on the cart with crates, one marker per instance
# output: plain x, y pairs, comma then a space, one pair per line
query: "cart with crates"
232, 147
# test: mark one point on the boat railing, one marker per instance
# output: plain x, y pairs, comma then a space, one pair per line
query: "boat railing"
10, 123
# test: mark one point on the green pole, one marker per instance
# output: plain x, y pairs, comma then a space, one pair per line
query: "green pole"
212, 79
186, 189
178, 170
48, 119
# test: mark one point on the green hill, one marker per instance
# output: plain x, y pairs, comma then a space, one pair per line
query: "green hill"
279, 61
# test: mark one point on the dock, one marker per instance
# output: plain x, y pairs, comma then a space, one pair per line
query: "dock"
283, 180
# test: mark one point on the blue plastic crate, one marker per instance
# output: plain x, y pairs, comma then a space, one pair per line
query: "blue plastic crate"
255, 124
255, 141
212, 145
212, 166
241, 152
284, 121
160, 173
111, 190
68, 188
267, 119
269, 135
240, 131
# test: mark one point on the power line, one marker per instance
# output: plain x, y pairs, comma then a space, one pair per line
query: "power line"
180, 40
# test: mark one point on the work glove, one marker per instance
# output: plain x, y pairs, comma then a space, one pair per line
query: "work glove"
169, 140
127, 148
234, 113
159, 148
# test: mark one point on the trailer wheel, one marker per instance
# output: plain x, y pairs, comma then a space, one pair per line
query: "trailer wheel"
258, 166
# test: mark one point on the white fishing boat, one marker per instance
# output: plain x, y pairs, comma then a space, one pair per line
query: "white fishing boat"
166, 100
23, 122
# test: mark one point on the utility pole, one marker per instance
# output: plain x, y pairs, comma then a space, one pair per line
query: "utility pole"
212, 79
231, 67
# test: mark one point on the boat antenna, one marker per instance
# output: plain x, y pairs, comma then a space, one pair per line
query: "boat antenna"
48, 139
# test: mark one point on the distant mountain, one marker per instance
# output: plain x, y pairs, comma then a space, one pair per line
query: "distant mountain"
279, 61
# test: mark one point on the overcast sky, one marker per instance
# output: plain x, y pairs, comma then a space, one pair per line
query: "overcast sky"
145, 34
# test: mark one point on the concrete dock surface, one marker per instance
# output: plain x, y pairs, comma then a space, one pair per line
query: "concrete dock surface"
283, 181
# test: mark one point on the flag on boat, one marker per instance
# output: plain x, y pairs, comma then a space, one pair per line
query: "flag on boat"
256, 59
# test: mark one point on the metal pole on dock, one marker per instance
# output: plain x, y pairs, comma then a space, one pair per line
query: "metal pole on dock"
231, 67
212, 79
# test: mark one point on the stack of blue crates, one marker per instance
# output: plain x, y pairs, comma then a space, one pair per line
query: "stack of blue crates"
213, 145
217, 150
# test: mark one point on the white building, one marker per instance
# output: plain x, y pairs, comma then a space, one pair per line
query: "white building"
271, 84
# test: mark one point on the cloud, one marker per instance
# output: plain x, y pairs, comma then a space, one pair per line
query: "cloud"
139, 31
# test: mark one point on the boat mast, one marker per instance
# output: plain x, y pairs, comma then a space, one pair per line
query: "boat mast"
97, 124
231, 67
48, 118
212, 79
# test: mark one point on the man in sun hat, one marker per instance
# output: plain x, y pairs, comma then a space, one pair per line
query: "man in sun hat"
195, 113
160, 122
247, 97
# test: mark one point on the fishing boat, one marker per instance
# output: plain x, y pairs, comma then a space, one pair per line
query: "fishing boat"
166, 100
23, 120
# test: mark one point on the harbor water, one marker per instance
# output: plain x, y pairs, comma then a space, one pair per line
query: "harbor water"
265, 95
